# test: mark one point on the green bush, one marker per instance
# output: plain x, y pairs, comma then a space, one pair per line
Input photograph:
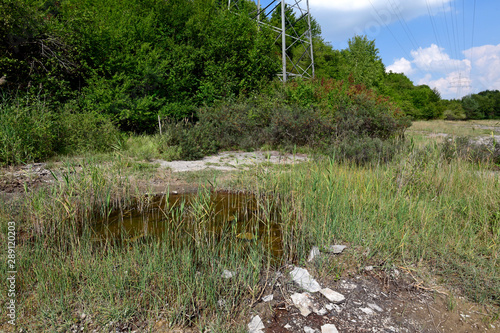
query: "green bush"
27, 130
84, 131
370, 120
251, 124
295, 125
186, 140
369, 124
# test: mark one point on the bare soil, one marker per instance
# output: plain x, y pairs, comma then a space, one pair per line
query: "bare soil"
395, 303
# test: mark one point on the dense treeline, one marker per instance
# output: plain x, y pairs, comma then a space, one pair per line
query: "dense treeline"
132, 60
76, 74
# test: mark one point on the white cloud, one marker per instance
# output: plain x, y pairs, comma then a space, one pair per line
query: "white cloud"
454, 78
401, 66
485, 66
341, 19
433, 59
453, 85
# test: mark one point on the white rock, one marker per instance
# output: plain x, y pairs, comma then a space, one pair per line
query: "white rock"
268, 298
329, 328
367, 311
303, 302
288, 327
332, 296
329, 306
375, 307
302, 277
314, 253
368, 268
255, 325
308, 329
321, 312
227, 274
336, 249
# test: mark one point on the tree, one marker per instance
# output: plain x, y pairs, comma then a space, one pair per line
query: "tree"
471, 108
362, 62
327, 61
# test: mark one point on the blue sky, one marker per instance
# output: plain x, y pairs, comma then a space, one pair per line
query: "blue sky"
441, 43
451, 45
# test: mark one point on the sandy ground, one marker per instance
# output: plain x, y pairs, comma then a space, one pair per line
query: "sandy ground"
229, 161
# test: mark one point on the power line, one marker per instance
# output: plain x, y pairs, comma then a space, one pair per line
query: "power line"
454, 28
436, 35
405, 27
463, 21
472, 38
388, 28
450, 46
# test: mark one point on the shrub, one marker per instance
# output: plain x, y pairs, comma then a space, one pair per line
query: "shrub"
449, 114
294, 125
365, 150
370, 121
186, 140
482, 150
27, 130
82, 131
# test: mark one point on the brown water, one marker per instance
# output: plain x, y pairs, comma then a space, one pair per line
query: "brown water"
230, 219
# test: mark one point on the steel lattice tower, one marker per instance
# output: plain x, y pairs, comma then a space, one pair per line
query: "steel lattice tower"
300, 62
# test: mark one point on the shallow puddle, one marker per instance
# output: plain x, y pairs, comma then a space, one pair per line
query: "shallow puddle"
233, 219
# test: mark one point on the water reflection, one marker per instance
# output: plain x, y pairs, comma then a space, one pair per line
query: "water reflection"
221, 218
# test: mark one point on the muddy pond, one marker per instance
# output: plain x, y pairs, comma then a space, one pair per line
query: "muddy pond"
227, 218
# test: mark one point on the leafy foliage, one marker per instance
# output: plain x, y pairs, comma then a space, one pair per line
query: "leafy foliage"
129, 63
27, 131
131, 60
485, 105
30, 130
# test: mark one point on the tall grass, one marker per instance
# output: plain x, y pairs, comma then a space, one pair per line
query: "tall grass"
423, 208
176, 279
420, 209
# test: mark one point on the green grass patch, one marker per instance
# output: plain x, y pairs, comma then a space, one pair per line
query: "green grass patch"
422, 208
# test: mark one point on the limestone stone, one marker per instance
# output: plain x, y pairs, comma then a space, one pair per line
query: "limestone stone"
227, 274
375, 307
329, 328
313, 253
332, 296
256, 325
308, 329
336, 249
367, 311
303, 302
302, 277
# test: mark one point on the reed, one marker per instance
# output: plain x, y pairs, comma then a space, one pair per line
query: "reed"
421, 210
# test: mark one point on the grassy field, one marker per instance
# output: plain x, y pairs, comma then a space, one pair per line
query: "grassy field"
426, 211
439, 128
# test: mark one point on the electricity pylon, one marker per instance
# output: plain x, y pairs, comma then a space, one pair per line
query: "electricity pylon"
459, 84
299, 63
